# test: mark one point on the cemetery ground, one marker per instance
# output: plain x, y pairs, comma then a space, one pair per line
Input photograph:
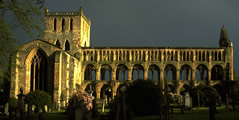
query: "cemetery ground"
196, 114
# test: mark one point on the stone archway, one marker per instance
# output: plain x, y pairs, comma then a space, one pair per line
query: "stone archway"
154, 72
186, 72
122, 72
217, 73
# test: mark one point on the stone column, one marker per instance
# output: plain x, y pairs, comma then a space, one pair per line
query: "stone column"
98, 55
146, 56
57, 77
130, 55
210, 56
114, 73
193, 74
98, 73
178, 74
146, 74
179, 57
162, 56
194, 56
162, 77
114, 55
209, 75
130, 73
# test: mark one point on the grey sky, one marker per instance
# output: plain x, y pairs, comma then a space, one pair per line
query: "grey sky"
156, 22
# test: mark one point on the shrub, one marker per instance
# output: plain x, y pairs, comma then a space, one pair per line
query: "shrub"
79, 99
144, 97
206, 93
39, 99
13, 103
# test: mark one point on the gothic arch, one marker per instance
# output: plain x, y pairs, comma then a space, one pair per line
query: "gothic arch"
121, 72
170, 72
67, 45
90, 72
154, 72
58, 44
202, 72
36, 70
186, 72
217, 72
106, 72
138, 72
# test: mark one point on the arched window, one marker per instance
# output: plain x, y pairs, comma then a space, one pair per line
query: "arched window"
58, 44
38, 71
71, 24
55, 24
67, 45
63, 24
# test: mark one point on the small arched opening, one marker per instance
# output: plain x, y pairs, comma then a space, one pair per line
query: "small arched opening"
154, 72
138, 72
217, 73
90, 72
170, 72
106, 72
67, 45
122, 72
58, 44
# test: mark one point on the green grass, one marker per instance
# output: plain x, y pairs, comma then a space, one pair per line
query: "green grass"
197, 114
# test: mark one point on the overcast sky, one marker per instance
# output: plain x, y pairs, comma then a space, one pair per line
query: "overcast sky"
156, 22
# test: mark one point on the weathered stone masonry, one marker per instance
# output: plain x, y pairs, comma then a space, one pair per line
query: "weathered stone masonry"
64, 62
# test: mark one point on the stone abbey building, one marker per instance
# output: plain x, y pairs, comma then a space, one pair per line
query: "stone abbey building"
64, 62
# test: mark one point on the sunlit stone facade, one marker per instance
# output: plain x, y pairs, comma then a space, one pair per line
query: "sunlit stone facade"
64, 62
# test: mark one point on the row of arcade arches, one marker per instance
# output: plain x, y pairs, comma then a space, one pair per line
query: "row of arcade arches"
122, 72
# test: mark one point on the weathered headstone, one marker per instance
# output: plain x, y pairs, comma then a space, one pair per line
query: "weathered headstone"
103, 105
6, 108
43, 115
187, 100
21, 106
78, 114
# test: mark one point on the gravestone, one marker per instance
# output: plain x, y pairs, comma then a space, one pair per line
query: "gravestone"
21, 105
187, 100
6, 109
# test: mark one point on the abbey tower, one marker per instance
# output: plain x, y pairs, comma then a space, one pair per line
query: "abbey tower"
67, 30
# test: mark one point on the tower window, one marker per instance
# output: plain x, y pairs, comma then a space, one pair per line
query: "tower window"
55, 24
63, 24
71, 24
58, 44
67, 46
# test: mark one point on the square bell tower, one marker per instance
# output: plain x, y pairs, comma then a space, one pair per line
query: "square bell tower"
67, 30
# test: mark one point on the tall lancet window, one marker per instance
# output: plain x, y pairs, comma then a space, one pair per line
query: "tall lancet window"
63, 25
71, 24
55, 24
38, 71
67, 46
58, 44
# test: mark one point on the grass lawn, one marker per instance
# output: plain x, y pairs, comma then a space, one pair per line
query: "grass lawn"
197, 114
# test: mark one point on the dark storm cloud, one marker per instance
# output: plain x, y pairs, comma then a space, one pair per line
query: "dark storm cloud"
157, 22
